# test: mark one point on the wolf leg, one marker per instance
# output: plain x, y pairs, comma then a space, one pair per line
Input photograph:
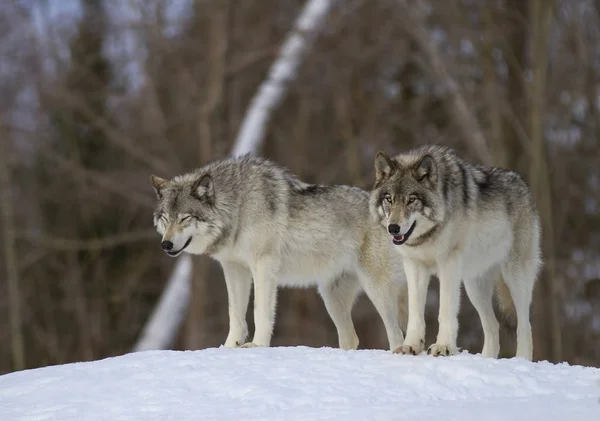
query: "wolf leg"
265, 300
384, 294
450, 276
339, 297
417, 278
238, 280
520, 283
480, 291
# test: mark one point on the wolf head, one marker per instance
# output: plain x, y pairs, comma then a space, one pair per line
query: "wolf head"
406, 198
185, 214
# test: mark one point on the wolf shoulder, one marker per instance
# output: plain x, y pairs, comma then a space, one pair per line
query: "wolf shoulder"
485, 183
494, 184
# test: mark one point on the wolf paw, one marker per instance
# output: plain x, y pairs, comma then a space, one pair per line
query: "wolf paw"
441, 350
233, 343
408, 350
250, 345
348, 342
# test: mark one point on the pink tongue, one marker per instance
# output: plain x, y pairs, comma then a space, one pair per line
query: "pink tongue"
398, 237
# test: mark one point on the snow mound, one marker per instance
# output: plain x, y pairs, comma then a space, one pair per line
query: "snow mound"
300, 383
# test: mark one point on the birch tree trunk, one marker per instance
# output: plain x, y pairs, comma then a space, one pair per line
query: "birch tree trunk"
161, 329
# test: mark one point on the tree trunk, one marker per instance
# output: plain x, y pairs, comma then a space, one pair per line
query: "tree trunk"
514, 131
492, 90
455, 102
10, 254
541, 14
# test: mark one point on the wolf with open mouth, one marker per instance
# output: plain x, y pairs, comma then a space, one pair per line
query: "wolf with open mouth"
465, 223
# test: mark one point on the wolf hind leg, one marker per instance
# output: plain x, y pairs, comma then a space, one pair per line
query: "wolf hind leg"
520, 278
480, 291
339, 297
384, 293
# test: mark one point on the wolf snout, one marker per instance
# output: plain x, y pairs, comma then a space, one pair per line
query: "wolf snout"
394, 229
166, 245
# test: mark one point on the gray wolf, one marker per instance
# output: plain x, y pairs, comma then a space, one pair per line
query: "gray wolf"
267, 227
461, 222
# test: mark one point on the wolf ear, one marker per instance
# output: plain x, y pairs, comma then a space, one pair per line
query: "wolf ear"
427, 169
384, 167
158, 184
204, 188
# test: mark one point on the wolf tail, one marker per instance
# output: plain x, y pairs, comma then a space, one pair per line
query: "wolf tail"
505, 303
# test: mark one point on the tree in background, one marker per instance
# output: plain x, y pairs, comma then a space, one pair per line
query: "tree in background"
75, 103
382, 75
80, 279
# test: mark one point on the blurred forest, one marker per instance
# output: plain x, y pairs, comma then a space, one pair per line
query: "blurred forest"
96, 95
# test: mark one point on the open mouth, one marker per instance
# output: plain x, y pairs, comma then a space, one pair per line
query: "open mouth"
401, 239
176, 253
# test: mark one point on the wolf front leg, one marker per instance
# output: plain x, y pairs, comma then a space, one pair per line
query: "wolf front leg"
450, 275
238, 280
265, 300
417, 278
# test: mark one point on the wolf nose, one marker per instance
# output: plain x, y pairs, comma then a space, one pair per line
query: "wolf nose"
394, 229
167, 245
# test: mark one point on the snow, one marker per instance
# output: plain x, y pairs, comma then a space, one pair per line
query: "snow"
300, 383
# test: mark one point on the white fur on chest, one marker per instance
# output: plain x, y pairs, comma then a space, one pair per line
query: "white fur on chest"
478, 244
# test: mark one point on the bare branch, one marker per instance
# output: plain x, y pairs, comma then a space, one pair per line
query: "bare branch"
99, 179
117, 138
216, 77
272, 91
455, 101
96, 244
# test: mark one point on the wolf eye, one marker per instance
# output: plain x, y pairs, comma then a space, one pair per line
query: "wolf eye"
411, 199
163, 217
388, 198
185, 218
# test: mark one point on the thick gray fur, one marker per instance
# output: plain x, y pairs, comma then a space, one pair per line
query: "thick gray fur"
267, 227
466, 223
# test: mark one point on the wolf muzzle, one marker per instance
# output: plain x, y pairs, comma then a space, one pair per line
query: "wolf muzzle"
167, 247
395, 230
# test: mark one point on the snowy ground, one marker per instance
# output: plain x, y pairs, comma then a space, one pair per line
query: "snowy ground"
299, 383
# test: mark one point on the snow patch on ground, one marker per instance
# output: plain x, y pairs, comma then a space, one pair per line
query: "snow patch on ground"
300, 383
